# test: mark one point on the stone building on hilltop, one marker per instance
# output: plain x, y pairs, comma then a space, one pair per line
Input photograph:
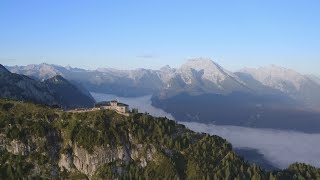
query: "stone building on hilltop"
113, 105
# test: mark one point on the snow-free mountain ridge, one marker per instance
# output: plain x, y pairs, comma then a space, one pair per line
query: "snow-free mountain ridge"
53, 91
289, 82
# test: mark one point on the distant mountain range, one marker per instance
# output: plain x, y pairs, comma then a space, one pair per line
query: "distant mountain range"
53, 91
289, 82
195, 77
202, 90
121, 82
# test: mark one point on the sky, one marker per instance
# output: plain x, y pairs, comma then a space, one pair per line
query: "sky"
150, 34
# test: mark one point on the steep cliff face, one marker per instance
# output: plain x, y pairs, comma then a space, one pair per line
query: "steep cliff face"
44, 151
16, 147
88, 163
75, 158
39, 142
56, 145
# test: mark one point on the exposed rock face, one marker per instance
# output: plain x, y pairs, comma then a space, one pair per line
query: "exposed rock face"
17, 147
78, 158
293, 84
2, 143
66, 162
88, 163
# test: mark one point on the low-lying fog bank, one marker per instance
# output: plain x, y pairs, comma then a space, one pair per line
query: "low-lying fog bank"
279, 147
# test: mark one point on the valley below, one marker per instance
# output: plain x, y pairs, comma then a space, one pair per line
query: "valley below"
241, 109
269, 147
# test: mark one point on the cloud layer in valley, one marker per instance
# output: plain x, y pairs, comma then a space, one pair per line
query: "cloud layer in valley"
281, 148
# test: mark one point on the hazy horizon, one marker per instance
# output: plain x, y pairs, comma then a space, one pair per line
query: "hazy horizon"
127, 35
110, 67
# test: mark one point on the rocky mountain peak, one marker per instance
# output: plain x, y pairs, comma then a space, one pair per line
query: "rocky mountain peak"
165, 68
58, 78
200, 63
210, 70
69, 67
276, 77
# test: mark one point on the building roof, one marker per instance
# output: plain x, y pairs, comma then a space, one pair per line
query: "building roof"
122, 104
108, 103
103, 103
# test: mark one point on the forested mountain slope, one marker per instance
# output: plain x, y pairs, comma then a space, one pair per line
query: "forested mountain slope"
37, 141
21, 87
53, 91
68, 94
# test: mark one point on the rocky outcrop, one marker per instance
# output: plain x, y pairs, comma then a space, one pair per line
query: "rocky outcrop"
2, 142
88, 163
76, 158
66, 162
16, 147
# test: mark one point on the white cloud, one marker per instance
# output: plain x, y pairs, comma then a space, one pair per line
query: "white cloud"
281, 148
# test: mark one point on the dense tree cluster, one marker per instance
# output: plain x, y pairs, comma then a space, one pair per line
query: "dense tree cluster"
180, 153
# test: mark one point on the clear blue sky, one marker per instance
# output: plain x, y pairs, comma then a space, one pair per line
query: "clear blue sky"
153, 33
